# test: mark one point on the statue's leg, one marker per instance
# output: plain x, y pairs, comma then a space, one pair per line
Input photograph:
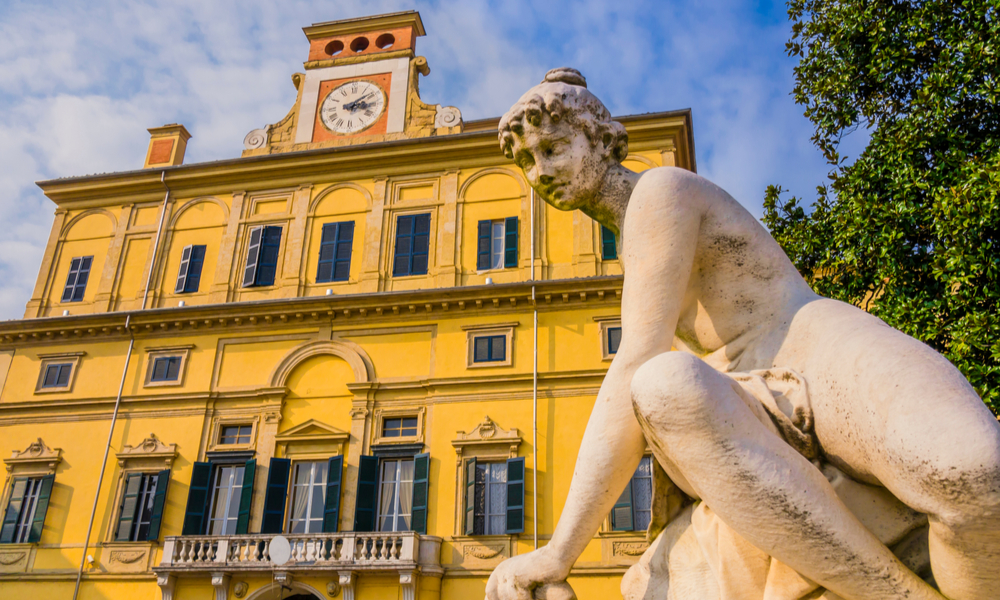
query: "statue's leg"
695, 421
919, 428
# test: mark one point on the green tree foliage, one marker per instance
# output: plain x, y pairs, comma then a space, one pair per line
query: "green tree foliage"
909, 231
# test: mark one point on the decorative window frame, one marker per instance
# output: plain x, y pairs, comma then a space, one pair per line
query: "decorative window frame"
301, 444
219, 422
148, 456
381, 414
37, 460
489, 329
58, 358
606, 323
487, 442
417, 208
166, 351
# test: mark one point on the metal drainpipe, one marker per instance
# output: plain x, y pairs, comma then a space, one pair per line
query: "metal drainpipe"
534, 382
121, 386
107, 451
156, 242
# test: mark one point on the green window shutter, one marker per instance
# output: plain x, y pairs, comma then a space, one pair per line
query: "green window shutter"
270, 249
609, 245
253, 254
421, 479
331, 505
197, 502
275, 496
41, 508
129, 507
483, 246
246, 496
182, 273
515, 495
159, 499
364, 507
470, 496
510, 243
17, 490
621, 514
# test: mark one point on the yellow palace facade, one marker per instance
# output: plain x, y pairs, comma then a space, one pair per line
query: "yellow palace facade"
355, 362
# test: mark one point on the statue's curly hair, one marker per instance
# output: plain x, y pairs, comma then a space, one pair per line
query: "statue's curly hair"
563, 94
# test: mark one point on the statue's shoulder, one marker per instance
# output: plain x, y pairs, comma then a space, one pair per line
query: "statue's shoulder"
669, 188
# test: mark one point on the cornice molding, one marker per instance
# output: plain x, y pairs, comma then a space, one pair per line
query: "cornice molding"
284, 313
418, 155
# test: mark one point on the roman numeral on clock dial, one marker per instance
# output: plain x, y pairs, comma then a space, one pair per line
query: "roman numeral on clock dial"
352, 107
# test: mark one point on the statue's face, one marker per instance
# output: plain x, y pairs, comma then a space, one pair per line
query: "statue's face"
560, 162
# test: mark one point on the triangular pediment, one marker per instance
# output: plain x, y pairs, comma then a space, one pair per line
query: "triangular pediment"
312, 430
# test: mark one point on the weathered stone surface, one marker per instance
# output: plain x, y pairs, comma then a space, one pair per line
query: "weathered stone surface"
821, 454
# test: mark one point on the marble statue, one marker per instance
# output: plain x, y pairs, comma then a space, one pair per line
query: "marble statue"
812, 451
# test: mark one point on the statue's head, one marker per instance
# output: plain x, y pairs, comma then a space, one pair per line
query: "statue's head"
563, 138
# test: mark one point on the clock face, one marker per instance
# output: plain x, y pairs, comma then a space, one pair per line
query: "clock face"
353, 106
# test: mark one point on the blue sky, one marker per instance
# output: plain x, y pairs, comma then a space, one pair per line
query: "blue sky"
81, 81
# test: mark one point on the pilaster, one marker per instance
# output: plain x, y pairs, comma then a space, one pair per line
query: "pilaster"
36, 305
347, 581
361, 414
266, 433
167, 584
584, 256
408, 584
227, 249
371, 277
105, 287
668, 155
292, 281
220, 581
447, 272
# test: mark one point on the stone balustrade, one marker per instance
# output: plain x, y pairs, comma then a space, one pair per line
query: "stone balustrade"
360, 551
345, 554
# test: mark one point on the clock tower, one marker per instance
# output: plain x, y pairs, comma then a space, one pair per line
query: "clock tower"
359, 86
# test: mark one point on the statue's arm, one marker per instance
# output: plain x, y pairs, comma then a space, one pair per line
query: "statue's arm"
660, 239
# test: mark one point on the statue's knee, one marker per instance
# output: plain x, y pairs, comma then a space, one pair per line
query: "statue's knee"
670, 385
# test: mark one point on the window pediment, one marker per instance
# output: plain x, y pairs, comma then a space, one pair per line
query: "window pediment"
149, 449
312, 437
36, 458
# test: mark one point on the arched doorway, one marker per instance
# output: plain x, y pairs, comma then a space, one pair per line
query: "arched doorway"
301, 597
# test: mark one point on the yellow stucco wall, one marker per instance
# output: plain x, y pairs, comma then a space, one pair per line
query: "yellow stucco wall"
312, 373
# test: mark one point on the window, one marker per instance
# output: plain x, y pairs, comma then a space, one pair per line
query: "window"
392, 493
497, 244
235, 434
76, 282
142, 507
335, 249
166, 368
223, 513
57, 375
614, 339
609, 244
413, 234
25, 515
634, 508
490, 499
262, 256
189, 274
494, 497
489, 348
401, 427
315, 505
395, 493
308, 490
219, 498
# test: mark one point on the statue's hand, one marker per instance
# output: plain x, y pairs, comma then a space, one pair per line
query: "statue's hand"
533, 576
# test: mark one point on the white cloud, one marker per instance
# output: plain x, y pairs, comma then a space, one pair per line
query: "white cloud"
80, 83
